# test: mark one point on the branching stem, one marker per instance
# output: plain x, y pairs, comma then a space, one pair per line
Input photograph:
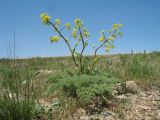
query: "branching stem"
106, 40
73, 57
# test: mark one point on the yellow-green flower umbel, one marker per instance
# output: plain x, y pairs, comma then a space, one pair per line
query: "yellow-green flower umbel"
102, 38
74, 33
78, 22
115, 26
45, 18
57, 21
54, 38
111, 38
86, 33
79, 37
119, 25
67, 26
108, 47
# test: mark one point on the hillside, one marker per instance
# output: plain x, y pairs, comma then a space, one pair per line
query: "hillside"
123, 86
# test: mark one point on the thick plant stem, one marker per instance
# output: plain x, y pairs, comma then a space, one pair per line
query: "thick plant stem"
73, 57
83, 47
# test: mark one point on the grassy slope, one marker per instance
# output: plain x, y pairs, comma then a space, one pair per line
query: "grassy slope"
124, 66
115, 64
144, 68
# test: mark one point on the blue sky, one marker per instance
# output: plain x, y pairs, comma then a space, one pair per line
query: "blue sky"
140, 19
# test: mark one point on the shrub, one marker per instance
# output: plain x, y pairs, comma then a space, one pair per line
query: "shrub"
84, 87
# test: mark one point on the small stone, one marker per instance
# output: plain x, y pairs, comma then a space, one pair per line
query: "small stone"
80, 112
84, 118
132, 87
46, 72
106, 113
114, 92
119, 89
145, 107
121, 96
94, 117
157, 99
